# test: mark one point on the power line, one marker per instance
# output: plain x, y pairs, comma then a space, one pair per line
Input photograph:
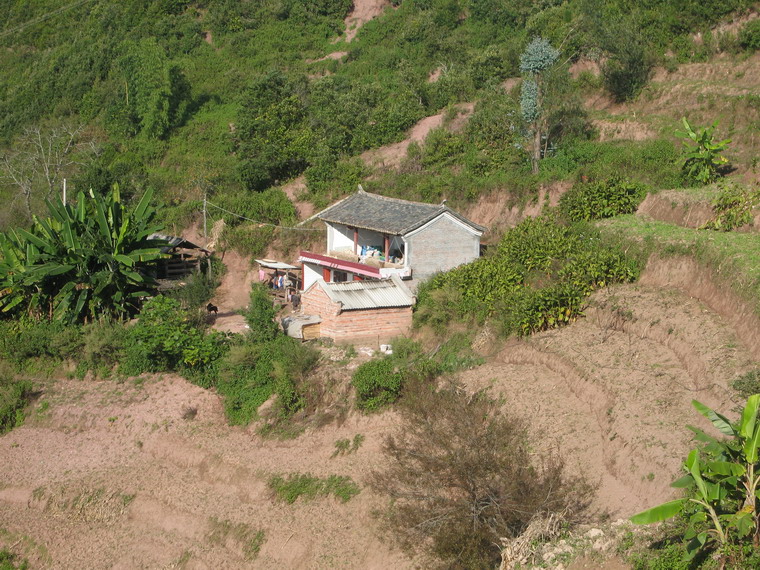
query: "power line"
209, 203
43, 17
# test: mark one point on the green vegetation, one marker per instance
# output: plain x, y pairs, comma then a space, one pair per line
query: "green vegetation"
733, 207
347, 446
165, 339
14, 397
538, 278
703, 160
83, 262
603, 199
309, 487
249, 539
381, 382
10, 561
227, 99
748, 383
722, 481
734, 258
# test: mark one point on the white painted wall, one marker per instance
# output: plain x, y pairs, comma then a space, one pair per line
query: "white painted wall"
311, 272
339, 237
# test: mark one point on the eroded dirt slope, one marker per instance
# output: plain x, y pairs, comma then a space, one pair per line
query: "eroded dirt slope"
118, 475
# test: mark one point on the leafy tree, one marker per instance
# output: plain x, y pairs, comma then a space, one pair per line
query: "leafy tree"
703, 159
723, 479
85, 261
535, 61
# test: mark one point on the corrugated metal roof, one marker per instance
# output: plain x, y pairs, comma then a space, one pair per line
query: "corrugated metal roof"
383, 293
386, 215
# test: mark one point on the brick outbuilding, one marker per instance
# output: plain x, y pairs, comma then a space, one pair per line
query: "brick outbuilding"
373, 311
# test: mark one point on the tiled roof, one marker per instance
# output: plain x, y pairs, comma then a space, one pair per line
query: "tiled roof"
369, 294
386, 215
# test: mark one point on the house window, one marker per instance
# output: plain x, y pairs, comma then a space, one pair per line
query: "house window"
339, 276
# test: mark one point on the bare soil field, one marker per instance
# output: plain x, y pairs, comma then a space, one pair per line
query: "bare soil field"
147, 474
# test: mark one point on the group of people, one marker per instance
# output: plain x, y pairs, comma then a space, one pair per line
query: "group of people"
280, 281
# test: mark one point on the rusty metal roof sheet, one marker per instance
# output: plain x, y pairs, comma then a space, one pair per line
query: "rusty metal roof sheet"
383, 293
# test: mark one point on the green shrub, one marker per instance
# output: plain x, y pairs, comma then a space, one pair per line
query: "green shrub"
733, 207
601, 199
538, 278
163, 339
261, 315
252, 372
377, 383
749, 36
14, 397
199, 287
25, 339
9, 561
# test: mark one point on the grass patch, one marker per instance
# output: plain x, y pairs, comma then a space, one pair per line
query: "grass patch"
347, 446
309, 487
748, 383
250, 539
734, 257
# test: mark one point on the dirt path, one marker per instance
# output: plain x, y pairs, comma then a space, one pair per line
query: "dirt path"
363, 12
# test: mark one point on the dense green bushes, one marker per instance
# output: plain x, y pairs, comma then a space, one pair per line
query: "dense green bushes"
538, 278
381, 381
165, 339
253, 372
601, 199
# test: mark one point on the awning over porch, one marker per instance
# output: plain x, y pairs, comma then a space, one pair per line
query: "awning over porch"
340, 264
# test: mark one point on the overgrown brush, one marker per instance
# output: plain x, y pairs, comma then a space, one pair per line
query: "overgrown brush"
381, 382
538, 278
601, 199
461, 478
14, 397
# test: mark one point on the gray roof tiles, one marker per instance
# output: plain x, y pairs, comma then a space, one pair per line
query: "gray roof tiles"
386, 215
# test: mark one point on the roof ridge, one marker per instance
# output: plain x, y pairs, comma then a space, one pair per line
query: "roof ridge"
392, 199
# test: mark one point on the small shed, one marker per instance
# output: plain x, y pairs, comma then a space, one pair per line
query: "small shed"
361, 311
185, 257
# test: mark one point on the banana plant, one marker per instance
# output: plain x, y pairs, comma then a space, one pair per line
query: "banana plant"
703, 158
83, 261
723, 484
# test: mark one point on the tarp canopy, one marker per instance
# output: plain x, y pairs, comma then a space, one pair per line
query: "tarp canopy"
272, 264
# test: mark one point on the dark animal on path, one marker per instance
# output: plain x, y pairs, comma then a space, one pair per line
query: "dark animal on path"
212, 309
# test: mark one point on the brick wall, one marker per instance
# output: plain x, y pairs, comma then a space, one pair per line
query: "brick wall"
371, 326
441, 246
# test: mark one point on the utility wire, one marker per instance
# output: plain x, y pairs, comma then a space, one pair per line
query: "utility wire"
43, 17
209, 203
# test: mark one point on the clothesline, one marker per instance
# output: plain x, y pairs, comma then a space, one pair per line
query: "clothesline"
208, 203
